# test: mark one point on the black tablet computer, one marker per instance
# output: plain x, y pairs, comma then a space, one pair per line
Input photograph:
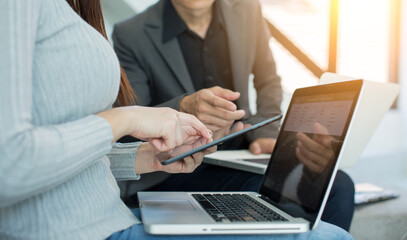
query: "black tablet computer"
167, 158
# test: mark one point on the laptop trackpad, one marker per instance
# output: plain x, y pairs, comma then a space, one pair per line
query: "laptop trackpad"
169, 205
171, 212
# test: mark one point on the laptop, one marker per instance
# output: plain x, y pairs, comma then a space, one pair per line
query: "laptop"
295, 186
374, 101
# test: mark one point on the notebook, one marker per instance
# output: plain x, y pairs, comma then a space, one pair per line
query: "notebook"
369, 193
294, 189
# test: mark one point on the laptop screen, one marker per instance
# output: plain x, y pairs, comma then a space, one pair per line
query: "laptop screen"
308, 146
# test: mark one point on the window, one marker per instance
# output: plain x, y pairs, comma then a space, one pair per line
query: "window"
367, 38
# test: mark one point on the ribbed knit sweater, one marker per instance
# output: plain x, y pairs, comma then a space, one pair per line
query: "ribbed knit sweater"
56, 72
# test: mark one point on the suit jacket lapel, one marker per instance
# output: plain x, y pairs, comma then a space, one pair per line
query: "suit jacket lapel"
170, 50
237, 45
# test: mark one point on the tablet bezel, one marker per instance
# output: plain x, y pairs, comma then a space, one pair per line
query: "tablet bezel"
223, 139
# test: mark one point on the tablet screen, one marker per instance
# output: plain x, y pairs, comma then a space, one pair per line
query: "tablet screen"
219, 136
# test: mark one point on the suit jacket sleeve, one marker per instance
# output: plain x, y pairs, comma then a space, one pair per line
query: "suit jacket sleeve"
137, 71
266, 80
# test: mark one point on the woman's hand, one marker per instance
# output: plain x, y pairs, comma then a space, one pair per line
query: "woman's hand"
164, 128
147, 161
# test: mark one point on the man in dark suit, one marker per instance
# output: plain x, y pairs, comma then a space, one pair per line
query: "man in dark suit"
196, 56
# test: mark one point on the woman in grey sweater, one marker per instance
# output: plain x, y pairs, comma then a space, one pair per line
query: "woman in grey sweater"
59, 78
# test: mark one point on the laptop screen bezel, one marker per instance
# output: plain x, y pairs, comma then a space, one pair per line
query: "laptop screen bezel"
354, 85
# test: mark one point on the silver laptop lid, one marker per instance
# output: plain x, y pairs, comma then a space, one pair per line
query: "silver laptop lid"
307, 148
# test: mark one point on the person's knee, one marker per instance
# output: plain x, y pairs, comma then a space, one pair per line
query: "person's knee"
329, 231
252, 182
340, 206
344, 186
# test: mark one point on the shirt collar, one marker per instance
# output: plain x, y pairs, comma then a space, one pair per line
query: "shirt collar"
173, 25
172, 22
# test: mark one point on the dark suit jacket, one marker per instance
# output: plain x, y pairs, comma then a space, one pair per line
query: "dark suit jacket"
158, 73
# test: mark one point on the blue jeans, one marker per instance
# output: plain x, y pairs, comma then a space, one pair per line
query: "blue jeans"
323, 231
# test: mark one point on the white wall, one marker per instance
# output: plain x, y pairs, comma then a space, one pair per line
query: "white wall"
119, 10
403, 79
386, 152
403, 68
140, 5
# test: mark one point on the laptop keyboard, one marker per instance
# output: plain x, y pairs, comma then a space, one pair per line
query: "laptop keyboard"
236, 208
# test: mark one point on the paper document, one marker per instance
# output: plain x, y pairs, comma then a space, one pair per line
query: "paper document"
236, 154
369, 193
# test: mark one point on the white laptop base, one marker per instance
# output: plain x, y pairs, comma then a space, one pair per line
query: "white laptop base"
179, 213
239, 159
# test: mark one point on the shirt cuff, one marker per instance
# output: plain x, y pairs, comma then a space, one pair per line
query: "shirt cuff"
122, 160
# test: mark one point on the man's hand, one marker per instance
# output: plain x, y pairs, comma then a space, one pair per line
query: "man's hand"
262, 145
213, 107
316, 152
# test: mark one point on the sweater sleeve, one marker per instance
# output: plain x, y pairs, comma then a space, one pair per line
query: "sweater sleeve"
36, 158
122, 160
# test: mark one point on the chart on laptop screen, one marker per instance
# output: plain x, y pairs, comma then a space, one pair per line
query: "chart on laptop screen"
330, 110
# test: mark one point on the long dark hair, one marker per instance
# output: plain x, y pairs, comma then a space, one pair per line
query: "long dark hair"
91, 12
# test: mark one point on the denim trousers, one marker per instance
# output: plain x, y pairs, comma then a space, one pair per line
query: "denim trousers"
324, 231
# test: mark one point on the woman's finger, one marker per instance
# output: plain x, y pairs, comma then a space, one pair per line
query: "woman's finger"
159, 144
190, 120
189, 164
198, 158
